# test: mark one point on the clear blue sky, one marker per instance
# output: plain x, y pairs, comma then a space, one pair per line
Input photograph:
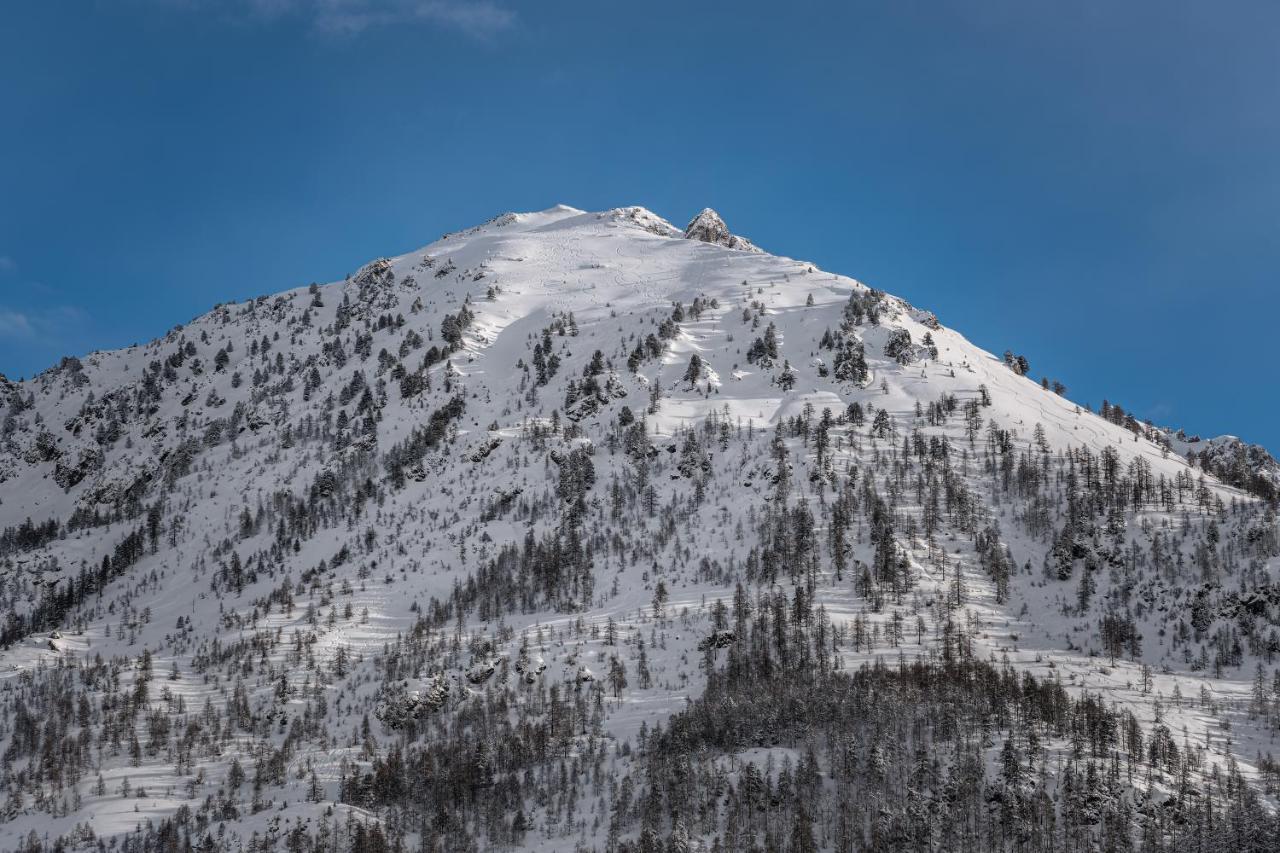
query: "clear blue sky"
1095, 184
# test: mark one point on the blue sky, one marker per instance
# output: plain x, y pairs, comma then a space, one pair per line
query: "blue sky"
1096, 185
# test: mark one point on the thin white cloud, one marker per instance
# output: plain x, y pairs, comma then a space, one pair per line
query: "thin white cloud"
52, 323
476, 18
7, 265
15, 324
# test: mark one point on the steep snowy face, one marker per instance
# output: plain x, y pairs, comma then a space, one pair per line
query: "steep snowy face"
708, 227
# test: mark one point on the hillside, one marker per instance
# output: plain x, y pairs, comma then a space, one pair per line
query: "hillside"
582, 531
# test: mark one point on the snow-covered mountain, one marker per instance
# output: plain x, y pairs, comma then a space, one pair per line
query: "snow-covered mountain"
582, 531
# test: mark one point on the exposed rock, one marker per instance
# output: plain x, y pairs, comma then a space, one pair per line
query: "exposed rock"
67, 474
486, 447
708, 227
481, 672
1245, 466
398, 711
717, 640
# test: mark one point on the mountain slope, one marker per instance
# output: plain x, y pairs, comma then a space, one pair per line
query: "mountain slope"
489, 493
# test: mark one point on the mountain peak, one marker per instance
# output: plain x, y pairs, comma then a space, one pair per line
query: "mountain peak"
423, 429
709, 227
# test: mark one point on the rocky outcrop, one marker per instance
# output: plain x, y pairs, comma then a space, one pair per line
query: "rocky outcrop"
70, 471
1245, 466
708, 227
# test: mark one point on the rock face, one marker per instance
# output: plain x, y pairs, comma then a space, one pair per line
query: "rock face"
1246, 466
708, 227
69, 473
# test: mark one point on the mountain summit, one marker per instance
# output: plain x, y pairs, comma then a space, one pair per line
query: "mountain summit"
574, 531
